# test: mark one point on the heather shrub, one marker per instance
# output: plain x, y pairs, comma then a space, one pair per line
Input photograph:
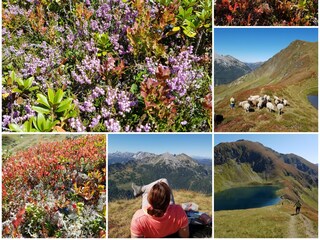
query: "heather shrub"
83, 65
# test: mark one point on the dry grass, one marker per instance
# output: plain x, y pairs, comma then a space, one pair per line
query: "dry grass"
121, 211
17, 142
267, 222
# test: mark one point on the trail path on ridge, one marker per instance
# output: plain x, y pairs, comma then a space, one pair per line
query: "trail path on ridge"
303, 224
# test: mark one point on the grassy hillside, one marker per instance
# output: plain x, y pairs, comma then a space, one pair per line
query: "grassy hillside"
232, 174
16, 142
121, 211
278, 221
292, 74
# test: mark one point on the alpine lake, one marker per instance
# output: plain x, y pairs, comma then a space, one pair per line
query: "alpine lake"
246, 197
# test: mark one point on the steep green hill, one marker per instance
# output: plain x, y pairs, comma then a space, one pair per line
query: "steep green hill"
291, 74
120, 212
244, 163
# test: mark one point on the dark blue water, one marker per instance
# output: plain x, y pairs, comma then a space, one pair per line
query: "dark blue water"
246, 197
313, 99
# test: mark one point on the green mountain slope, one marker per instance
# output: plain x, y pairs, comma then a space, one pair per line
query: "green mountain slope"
120, 212
291, 74
244, 162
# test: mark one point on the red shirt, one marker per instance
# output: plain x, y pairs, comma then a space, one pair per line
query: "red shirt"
143, 224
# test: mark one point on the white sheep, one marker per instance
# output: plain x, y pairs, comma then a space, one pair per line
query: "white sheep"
262, 103
252, 98
270, 107
280, 108
268, 98
275, 97
277, 101
242, 102
246, 107
285, 102
254, 102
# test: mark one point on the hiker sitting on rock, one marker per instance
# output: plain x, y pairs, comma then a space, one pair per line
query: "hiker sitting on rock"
298, 206
159, 216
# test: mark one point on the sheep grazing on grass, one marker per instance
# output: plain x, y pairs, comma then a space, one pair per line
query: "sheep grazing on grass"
270, 107
254, 102
262, 103
252, 98
280, 107
246, 107
268, 98
242, 103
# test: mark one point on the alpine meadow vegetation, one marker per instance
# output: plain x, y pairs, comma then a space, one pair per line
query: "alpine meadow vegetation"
266, 13
55, 189
106, 65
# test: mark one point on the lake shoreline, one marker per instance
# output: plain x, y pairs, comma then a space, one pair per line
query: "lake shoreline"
247, 197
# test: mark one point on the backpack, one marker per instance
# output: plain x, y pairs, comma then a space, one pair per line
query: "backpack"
200, 224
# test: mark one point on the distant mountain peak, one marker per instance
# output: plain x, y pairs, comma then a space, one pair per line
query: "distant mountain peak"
228, 68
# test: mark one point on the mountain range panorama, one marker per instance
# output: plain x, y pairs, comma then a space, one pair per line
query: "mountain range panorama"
182, 172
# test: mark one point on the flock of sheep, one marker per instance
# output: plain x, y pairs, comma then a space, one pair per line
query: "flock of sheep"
265, 101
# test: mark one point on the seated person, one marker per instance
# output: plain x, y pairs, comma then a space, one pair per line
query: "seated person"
159, 216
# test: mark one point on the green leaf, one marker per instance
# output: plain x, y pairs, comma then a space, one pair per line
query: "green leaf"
17, 90
13, 75
28, 82
134, 88
64, 105
189, 32
51, 95
35, 124
58, 97
14, 127
181, 11
41, 110
33, 88
43, 100
27, 126
41, 121
189, 11
20, 82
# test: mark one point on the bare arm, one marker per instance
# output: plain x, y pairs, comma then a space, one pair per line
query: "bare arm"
184, 232
135, 236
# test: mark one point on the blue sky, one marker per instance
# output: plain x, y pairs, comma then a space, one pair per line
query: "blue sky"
258, 44
304, 145
190, 144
